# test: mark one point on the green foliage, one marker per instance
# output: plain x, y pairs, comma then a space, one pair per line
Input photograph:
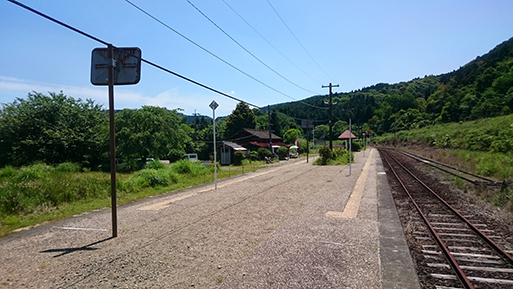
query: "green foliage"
238, 157
40, 193
339, 127
321, 132
356, 146
339, 156
7, 172
151, 132
253, 155
155, 165
185, 167
282, 152
35, 172
480, 89
52, 129
263, 152
242, 117
325, 155
68, 167
291, 135
153, 178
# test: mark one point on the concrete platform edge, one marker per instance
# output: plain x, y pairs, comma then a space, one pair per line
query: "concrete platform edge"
397, 269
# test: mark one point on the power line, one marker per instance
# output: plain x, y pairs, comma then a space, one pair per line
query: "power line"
268, 42
283, 21
219, 58
208, 51
244, 48
142, 59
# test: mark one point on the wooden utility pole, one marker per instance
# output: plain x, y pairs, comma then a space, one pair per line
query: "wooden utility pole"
331, 113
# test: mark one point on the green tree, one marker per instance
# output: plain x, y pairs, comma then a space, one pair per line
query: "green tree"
151, 132
290, 136
321, 131
339, 127
242, 117
52, 129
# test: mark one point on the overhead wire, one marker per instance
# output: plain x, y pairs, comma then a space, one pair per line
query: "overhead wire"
87, 35
288, 28
216, 56
245, 49
268, 42
142, 59
208, 51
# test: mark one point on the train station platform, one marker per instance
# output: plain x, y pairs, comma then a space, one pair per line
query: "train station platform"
292, 225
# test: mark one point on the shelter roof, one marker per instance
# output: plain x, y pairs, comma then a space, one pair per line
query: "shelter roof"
346, 135
234, 146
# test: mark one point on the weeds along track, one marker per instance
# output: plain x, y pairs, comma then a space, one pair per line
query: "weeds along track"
452, 245
457, 172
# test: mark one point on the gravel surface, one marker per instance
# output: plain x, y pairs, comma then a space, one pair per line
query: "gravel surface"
266, 229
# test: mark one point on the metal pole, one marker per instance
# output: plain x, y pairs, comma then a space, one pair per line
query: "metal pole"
350, 141
307, 147
112, 133
215, 149
331, 123
213, 105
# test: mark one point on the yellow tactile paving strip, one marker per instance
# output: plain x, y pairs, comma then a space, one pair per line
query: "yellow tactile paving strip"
353, 204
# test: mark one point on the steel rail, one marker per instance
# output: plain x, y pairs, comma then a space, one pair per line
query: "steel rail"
489, 241
462, 277
430, 161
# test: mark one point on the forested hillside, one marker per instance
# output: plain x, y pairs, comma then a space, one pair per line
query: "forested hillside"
481, 88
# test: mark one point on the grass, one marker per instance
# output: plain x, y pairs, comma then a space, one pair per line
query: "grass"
40, 193
484, 147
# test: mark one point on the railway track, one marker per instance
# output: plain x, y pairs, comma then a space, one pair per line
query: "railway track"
467, 176
454, 248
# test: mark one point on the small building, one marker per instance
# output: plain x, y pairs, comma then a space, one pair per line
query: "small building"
228, 150
253, 139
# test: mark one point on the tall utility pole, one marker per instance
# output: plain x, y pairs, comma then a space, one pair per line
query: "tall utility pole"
331, 112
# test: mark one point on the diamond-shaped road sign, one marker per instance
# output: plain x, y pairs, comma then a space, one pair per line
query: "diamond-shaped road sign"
213, 105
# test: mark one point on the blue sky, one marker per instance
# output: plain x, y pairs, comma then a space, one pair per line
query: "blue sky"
351, 43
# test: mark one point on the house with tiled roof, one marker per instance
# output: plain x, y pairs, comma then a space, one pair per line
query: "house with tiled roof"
253, 139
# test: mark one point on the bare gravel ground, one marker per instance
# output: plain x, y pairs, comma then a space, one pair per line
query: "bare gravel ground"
266, 229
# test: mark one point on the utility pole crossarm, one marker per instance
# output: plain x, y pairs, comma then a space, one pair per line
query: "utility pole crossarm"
331, 112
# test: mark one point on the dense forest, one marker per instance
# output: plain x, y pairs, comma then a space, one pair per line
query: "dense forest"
481, 88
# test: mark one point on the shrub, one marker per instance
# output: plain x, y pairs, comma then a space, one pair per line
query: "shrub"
282, 152
356, 146
263, 152
156, 165
68, 167
154, 178
34, 172
326, 154
184, 167
253, 155
238, 156
7, 172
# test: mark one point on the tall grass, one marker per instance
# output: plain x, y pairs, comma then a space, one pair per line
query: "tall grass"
39, 192
483, 146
